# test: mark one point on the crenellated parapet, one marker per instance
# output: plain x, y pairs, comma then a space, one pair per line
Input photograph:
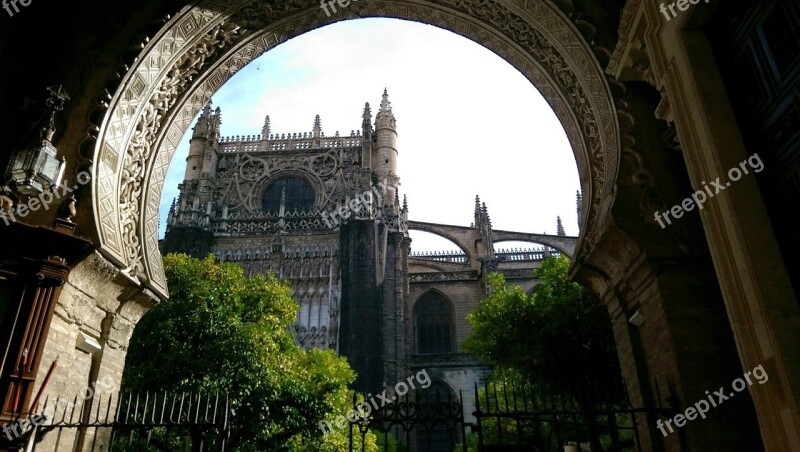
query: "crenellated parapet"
299, 141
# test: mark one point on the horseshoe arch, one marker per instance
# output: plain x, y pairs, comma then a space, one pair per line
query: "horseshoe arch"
204, 45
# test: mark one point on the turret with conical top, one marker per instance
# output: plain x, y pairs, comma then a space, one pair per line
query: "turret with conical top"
204, 138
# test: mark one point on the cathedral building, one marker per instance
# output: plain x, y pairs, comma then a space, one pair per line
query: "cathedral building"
323, 212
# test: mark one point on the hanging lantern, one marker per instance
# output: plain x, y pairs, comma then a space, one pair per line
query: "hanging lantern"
35, 166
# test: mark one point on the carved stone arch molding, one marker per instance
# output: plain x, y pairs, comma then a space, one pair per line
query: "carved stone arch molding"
201, 47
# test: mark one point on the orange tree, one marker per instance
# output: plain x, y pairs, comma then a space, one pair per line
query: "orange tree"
558, 333
557, 338
222, 331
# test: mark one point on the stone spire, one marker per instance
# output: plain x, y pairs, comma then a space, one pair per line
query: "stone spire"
171, 215
265, 131
477, 211
485, 213
203, 127
317, 127
385, 118
559, 227
366, 123
579, 203
386, 106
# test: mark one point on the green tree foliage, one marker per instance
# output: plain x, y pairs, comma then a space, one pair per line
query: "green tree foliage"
557, 339
222, 331
560, 332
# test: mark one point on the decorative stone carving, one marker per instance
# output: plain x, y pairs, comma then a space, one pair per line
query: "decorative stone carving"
469, 275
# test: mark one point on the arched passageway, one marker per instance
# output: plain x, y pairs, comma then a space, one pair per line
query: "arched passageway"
714, 284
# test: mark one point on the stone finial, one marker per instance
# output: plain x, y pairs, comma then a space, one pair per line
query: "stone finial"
559, 227
317, 127
386, 106
385, 118
265, 131
485, 213
477, 212
367, 115
366, 121
202, 127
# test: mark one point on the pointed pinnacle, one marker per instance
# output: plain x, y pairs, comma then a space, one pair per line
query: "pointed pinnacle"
386, 106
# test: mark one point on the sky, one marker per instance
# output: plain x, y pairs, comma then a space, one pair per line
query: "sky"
468, 122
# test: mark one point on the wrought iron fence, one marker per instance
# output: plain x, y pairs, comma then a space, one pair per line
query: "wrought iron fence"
426, 421
124, 423
588, 415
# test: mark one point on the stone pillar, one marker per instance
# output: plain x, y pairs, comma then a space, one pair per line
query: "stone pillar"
685, 344
361, 329
396, 311
683, 348
759, 298
99, 302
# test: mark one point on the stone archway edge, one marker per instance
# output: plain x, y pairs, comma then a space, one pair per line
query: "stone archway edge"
203, 46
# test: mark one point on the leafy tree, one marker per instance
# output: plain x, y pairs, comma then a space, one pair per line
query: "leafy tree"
557, 338
560, 332
222, 331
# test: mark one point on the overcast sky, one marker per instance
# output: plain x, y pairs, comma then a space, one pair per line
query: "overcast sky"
468, 122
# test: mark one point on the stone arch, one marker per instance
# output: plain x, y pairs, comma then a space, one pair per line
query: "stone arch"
566, 245
203, 45
415, 226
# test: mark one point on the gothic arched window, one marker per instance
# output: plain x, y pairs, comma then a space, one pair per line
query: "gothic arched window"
433, 322
299, 195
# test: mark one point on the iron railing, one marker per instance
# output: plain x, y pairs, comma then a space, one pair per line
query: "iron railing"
124, 423
589, 415
423, 422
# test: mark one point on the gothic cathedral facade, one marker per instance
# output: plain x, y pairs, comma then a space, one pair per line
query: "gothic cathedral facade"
324, 213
